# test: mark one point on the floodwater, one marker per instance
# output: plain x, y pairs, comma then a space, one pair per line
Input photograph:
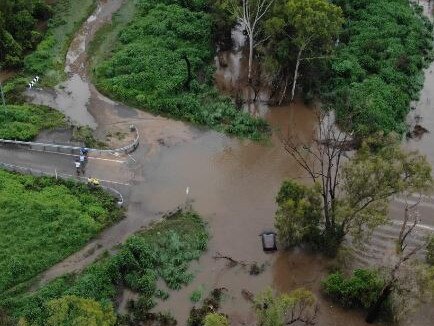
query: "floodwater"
233, 184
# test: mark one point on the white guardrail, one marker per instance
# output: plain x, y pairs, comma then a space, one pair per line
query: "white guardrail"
74, 149
39, 173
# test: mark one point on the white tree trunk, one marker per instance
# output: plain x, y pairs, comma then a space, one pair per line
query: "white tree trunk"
297, 65
249, 74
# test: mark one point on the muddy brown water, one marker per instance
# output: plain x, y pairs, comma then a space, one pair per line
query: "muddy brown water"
233, 184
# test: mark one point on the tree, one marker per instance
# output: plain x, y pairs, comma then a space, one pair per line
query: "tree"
298, 306
312, 27
215, 319
430, 251
251, 14
355, 193
303, 207
75, 311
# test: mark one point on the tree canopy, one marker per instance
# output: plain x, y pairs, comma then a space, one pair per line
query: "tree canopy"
18, 32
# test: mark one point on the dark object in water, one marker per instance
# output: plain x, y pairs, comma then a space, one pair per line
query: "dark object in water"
269, 241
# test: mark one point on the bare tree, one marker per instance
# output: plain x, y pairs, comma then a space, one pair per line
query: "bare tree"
409, 223
322, 158
250, 14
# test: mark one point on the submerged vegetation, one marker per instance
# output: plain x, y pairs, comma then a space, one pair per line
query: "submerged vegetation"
161, 252
163, 63
24, 122
43, 220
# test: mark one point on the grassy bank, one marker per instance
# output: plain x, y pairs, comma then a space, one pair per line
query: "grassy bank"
43, 220
162, 252
162, 62
48, 60
378, 67
24, 122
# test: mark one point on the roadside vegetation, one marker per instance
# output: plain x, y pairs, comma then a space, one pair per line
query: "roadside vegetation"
24, 122
163, 63
43, 220
162, 252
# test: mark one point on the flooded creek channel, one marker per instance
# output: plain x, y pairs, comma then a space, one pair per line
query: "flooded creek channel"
233, 184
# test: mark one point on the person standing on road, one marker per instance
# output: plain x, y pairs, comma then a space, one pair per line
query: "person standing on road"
77, 166
82, 163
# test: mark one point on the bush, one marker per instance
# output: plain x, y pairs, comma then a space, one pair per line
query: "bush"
215, 319
360, 290
75, 311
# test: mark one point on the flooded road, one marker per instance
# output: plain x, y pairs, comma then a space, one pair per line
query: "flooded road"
233, 183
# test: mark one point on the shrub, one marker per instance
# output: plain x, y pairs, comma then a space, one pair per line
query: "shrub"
359, 290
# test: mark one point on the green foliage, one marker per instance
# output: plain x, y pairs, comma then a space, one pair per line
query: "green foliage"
377, 69
430, 251
313, 26
196, 295
298, 214
18, 31
210, 305
43, 220
49, 57
360, 290
378, 170
284, 309
24, 122
162, 252
215, 319
161, 63
71, 310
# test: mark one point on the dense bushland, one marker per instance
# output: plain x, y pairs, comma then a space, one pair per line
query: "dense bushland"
18, 29
161, 252
377, 67
43, 220
163, 64
24, 122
